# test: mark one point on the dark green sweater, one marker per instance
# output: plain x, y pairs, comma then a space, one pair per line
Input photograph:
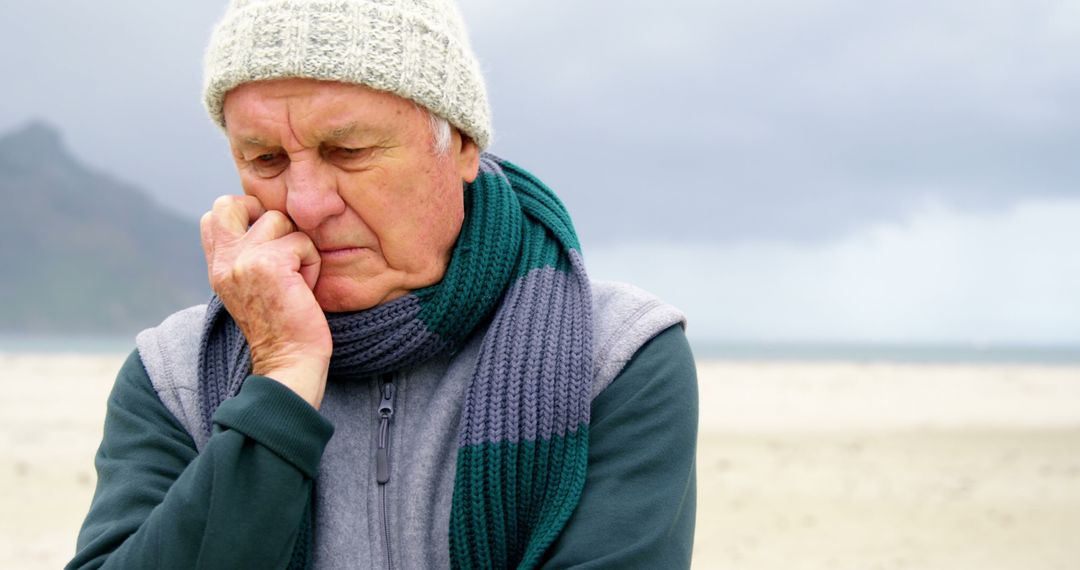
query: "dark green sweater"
237, 504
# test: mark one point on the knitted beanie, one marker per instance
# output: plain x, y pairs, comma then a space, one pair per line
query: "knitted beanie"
416, 49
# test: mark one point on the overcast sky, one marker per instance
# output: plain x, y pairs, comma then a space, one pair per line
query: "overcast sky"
721, 136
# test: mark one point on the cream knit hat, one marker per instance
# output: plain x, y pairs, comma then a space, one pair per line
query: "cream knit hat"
417, 49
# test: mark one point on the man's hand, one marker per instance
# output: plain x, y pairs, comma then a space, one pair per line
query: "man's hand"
264, 272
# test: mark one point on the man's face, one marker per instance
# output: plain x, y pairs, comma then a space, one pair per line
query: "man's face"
356, 170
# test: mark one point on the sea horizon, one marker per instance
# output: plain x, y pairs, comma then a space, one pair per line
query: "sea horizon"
868, 352
787, 351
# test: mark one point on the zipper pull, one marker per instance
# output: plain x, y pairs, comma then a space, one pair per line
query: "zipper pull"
386, 406
382, 452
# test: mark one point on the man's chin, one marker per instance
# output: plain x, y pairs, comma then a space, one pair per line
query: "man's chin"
336, 295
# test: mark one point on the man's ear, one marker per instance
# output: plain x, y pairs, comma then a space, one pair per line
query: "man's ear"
468, 157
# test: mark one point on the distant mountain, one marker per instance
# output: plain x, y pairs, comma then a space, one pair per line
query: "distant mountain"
85, 253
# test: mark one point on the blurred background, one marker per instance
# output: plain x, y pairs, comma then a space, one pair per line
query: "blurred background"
869, 211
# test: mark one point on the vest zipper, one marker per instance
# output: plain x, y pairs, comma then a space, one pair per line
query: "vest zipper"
382, 458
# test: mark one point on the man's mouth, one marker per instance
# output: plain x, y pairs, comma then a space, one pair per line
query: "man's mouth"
330, 253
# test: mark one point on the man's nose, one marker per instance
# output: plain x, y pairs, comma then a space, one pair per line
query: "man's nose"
311, 193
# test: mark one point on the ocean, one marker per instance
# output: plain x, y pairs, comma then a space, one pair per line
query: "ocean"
737, 351
56, 344
900, 353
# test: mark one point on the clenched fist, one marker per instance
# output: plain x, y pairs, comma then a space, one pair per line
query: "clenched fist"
264, 272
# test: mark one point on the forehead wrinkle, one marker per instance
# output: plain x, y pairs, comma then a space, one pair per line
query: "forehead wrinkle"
307, 111
256, 132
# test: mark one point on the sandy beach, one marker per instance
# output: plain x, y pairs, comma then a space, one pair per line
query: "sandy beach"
801, 465
887, 466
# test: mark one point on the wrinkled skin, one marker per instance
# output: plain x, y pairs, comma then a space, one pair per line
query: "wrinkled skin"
346, 206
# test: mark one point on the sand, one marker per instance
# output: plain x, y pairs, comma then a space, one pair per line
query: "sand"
800, 466
887, 466
50, 425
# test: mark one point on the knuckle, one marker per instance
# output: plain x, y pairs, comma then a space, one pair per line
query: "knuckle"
224, 201
274, 216
234, 276
250, 263
278, 220
206, 224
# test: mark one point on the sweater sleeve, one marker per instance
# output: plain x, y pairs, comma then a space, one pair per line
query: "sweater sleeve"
238, 504
637, 508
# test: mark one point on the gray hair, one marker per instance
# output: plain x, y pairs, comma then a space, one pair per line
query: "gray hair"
440, 133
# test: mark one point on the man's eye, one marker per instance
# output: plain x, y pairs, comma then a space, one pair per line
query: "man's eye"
269, 164
349, 154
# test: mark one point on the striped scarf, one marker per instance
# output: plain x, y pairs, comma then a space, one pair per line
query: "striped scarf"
523, 438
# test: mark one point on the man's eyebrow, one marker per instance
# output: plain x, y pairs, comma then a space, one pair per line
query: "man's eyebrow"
332, 135
340, 133
253, 141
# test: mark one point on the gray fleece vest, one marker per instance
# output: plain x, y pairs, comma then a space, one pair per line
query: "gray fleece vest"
424, 435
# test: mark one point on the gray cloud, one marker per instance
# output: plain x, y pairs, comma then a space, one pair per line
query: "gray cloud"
938, 276
786, 119
686, 120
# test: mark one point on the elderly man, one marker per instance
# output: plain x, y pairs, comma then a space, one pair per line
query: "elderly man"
404, 363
